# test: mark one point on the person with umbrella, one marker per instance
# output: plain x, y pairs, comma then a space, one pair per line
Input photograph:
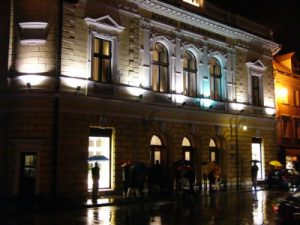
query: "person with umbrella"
96, 177
254, 171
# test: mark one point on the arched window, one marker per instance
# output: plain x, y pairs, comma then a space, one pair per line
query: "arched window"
214, 152
215, 79
156, 150
186, 149
160, 71
189, 74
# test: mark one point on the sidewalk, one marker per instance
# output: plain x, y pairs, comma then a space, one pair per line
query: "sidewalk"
17, 206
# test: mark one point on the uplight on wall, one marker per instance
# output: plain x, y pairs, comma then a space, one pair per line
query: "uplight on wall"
77, 84
237, 106
270, 111
29, 66
206, 103
135, 91
32, 80
179, 99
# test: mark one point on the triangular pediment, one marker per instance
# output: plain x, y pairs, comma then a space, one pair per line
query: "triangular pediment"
105, 22
257, 65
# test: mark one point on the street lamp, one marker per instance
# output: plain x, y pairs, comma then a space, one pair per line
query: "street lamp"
235, 125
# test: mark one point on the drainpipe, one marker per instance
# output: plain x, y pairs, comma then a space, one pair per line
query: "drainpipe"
56, 99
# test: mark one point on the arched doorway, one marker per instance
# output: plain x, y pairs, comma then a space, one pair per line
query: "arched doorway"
156, 150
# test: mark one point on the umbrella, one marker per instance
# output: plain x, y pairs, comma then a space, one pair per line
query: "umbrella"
255, 161
97, 158
127, 163
182, 162
275, 163
209, 167
139, 166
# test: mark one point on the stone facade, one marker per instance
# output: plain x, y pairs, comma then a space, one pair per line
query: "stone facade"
49, 109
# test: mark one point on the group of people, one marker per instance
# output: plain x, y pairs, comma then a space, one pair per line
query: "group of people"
138, 179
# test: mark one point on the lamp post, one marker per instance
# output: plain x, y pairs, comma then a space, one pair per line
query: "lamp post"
235, 125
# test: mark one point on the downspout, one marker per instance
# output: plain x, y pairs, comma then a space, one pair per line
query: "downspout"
6, 11
56, 99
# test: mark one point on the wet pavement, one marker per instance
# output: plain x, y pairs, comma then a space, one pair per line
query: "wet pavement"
232, 208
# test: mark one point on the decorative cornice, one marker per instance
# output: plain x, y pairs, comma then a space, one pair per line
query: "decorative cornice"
33, 33
202, 22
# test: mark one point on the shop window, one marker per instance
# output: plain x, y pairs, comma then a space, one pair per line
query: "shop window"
189, 74
215, 79
100, 152
257, 156
101, 61
160, 68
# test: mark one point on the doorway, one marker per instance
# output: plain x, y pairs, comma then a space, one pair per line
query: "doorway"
100, 151
28, 174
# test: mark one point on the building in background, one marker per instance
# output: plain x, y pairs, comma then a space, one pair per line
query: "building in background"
135, 80
287, 92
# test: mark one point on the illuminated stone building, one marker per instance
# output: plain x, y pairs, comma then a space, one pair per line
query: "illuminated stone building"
287, 94
131, 80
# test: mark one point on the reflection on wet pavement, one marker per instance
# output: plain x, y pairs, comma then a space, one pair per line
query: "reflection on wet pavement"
245, 208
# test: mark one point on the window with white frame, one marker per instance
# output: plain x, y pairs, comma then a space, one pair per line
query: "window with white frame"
101, 62
189, 74
160, 68
255, 82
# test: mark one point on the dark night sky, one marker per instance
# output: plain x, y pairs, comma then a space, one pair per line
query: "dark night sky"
282, 16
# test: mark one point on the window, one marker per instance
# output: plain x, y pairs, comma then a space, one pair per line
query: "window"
296, 98
255, 91
255, 82
160, 71
297, 128
28, 173
101, 62
186, 149
215, 79
285, 127
156, 150
189, 74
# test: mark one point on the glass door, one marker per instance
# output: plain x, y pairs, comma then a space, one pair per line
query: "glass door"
28, 174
